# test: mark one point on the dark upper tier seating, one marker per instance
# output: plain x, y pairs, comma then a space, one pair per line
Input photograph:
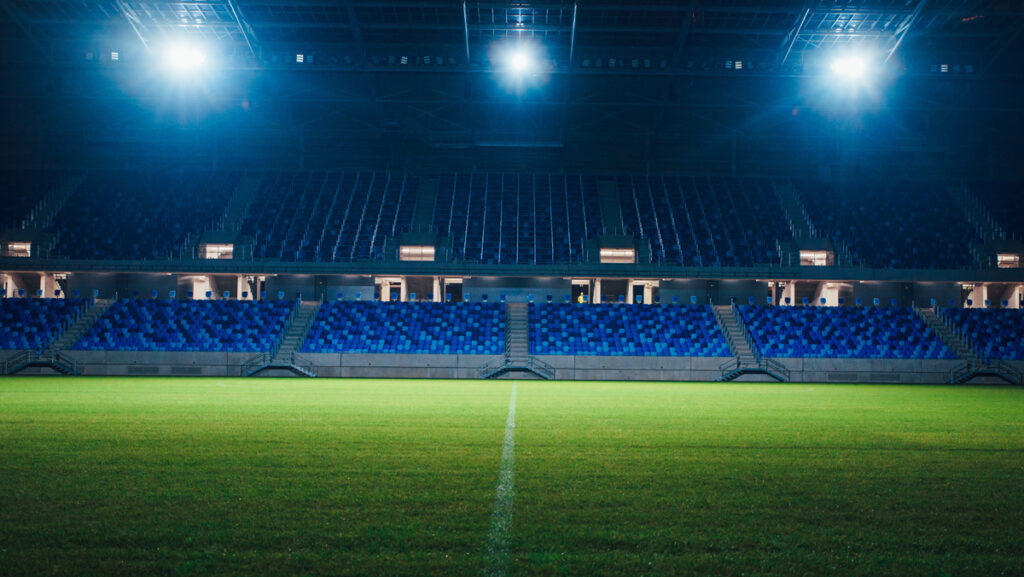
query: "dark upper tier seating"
705, 221
408, 327
33, 324
330, 216
131, 215
893, 224
842, 332
993, 334
517, 218
626, 330
1005, 202
186, 325
21, 191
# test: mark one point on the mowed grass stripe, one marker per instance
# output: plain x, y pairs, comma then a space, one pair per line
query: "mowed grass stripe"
246, 477
501, 519
685, 479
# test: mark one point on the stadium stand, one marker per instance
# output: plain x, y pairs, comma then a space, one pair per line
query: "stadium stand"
842, 332
704, 221
188, 325
625, 330
329, 217
33, 324
130, 215
408, 327
993, 334
517, 218
1005, 202
21, 190
893, 224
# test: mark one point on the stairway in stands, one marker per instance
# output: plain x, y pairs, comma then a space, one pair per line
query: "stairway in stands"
745, 360
611, 208
286, 356
972, 365
78, 328
952, 341
734, 335
296, 334
796, 215
517, 357
426, 198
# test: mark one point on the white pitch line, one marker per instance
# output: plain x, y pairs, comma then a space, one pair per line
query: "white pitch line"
501, 520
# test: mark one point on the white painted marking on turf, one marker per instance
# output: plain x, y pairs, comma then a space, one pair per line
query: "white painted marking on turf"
501, 520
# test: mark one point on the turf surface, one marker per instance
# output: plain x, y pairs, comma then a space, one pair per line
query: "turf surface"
297, 477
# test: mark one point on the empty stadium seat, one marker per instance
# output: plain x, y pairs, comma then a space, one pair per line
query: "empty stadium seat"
34, 324
893, 224
625, 330
993, 334
704, 221
517, 218
186, 325
407, 327
842, 332
140, 215
329, 216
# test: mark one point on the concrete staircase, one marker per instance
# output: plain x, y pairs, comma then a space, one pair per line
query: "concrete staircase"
949, 338
238, 207
517, 347
426, 198
285, 358
734, 335
79, 327
972, 366
611, 209
745, 360
980, 218
799, 223
296, 333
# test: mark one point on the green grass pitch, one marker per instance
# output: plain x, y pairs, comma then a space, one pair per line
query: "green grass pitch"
134, 476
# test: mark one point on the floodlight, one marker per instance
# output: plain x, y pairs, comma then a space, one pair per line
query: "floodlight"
520, 61
182, 58
849, 67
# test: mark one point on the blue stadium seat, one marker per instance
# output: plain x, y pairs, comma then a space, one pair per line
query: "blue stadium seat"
992, 334
34, 324
842, 332
185, 325
620, 330
408, 327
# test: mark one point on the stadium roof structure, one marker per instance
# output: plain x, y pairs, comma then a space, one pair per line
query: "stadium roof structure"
656, 36
648, 78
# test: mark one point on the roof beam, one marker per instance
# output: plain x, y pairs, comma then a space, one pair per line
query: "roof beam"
247, 31
465, 29
133, 21
901, 33
795, 33
684, 32
357, 31
572, 36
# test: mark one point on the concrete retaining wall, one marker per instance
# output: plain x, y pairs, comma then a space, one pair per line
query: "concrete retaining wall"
470, 367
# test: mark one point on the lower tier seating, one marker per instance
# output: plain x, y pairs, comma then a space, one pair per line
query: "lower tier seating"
842, 332
993, 334
33, 324
185, 325
411, 328
626, 330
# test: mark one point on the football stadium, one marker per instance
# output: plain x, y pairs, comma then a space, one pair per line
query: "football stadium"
452, 287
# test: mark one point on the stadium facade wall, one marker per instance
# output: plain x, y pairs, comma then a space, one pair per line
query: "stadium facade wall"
881, 371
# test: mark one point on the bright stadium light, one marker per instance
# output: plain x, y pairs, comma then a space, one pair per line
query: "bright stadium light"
851, 67
183, 58
520, 61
